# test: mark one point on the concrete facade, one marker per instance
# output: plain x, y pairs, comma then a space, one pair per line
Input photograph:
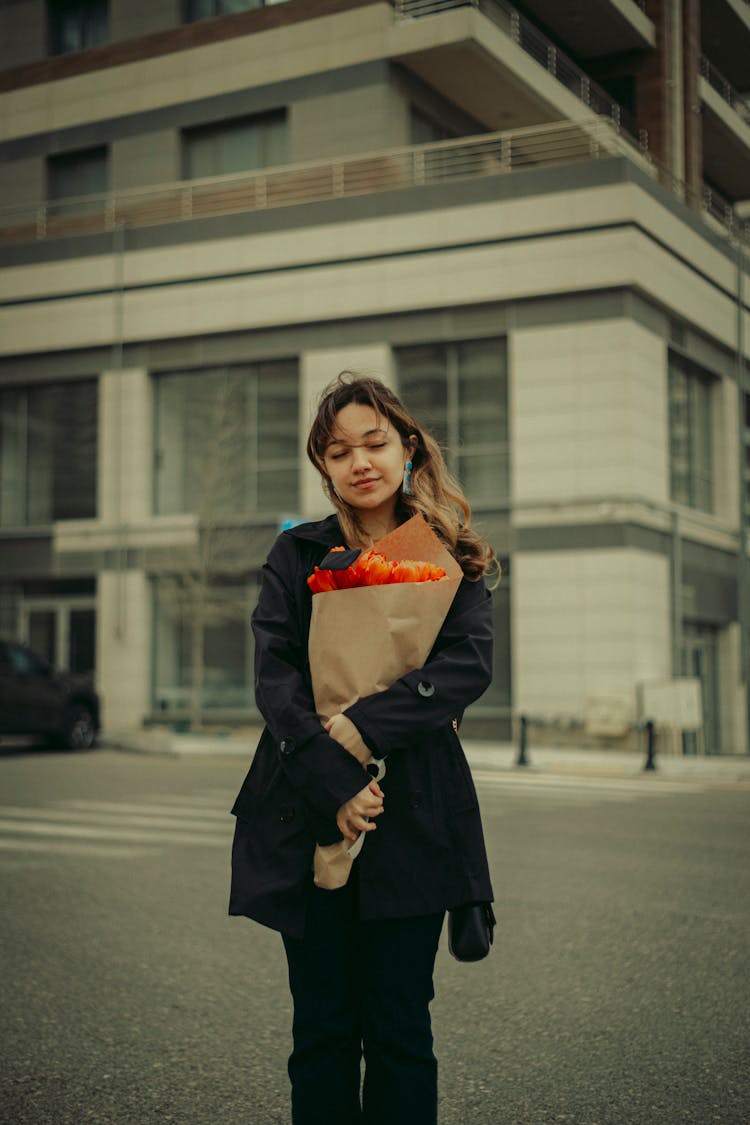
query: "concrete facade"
596, 278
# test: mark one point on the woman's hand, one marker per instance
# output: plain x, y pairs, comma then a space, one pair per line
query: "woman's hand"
345, 732
352, 816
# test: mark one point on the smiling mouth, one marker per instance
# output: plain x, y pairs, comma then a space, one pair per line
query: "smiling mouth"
362, 483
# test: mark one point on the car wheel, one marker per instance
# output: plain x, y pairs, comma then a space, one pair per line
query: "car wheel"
79, 731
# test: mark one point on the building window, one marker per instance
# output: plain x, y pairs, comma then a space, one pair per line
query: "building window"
227, 440
72, 174
425, 129
210, 668
48, 451
241, 145
74, 25
746, 397
690, 434
207, 9
460, 392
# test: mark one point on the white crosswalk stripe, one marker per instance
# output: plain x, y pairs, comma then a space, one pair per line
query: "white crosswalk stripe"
594, 789
137, 827
114, 829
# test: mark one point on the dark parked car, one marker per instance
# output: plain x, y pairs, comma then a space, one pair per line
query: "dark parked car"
36, 699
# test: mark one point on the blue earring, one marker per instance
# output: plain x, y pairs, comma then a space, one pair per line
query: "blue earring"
407, 478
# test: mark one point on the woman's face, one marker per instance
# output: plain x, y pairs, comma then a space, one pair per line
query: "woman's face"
365, 460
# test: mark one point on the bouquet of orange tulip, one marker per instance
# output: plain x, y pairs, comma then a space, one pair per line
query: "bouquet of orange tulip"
397, 604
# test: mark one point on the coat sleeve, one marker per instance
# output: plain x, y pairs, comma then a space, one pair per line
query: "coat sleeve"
458, 671
324, 772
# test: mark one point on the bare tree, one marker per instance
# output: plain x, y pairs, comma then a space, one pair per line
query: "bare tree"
199, 592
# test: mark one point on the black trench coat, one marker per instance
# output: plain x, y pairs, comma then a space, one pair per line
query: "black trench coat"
427, 854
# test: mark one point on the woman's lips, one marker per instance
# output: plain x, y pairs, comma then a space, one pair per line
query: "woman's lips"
365, 483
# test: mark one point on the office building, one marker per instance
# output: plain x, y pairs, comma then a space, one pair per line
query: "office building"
531, 219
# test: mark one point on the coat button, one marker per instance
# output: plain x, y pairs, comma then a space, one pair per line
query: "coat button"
425, 688
286, 814
287, 746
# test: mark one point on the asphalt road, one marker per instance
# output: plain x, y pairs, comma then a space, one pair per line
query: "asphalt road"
616, 993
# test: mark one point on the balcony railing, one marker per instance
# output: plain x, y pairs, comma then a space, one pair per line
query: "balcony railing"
541, 146
523, 32
718, 82
416, 166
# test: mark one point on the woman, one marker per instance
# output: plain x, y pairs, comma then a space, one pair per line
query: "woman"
361, 958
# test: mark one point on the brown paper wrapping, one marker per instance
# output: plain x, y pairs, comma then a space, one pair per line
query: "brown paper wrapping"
363, 640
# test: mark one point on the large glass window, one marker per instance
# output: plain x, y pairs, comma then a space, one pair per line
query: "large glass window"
690, 434
77, 173
48, 451
460, 392
209, 668
425, 129
206, 9
239, 145
74, 25
746, 494
227, 440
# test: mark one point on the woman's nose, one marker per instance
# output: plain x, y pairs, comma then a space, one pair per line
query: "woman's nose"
360, 458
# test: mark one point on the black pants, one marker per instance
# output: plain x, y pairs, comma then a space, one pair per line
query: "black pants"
362, 988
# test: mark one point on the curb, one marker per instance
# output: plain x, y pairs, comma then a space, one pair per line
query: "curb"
493, 757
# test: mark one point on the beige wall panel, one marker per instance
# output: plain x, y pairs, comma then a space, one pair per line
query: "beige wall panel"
125, 470
589, 403
353, 121
507, 271
588, 626
249, 61
477, 223
123, 647
732, 706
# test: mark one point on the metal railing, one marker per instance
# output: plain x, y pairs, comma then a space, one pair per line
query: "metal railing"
523, 32
723, 86
540, 146
466, 158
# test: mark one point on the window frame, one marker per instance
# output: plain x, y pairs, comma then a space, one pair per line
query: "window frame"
188, 6
455, 451
25, 467
60, 159
54, 11
694, 485
255, 372
215, 130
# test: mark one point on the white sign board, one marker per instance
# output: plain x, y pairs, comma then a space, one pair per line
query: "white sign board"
671, 703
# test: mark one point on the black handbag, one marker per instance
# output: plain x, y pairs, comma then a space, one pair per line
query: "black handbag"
471, 931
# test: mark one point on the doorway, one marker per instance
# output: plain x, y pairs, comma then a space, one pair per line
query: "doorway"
700, 658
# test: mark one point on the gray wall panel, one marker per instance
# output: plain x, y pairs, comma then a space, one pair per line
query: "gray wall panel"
128, 18
23, 32
23, 183
149, 158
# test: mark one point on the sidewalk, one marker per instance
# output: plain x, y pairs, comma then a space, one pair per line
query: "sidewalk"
558, 761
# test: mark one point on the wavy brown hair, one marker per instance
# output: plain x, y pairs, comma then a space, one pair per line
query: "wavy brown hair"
434, 491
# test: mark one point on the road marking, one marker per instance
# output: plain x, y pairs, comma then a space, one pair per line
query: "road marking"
64, 847
146, 807
124, 829
604, 787
40, 827
124, 819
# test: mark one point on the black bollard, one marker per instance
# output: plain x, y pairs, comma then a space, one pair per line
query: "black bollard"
650, 764
522, 759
